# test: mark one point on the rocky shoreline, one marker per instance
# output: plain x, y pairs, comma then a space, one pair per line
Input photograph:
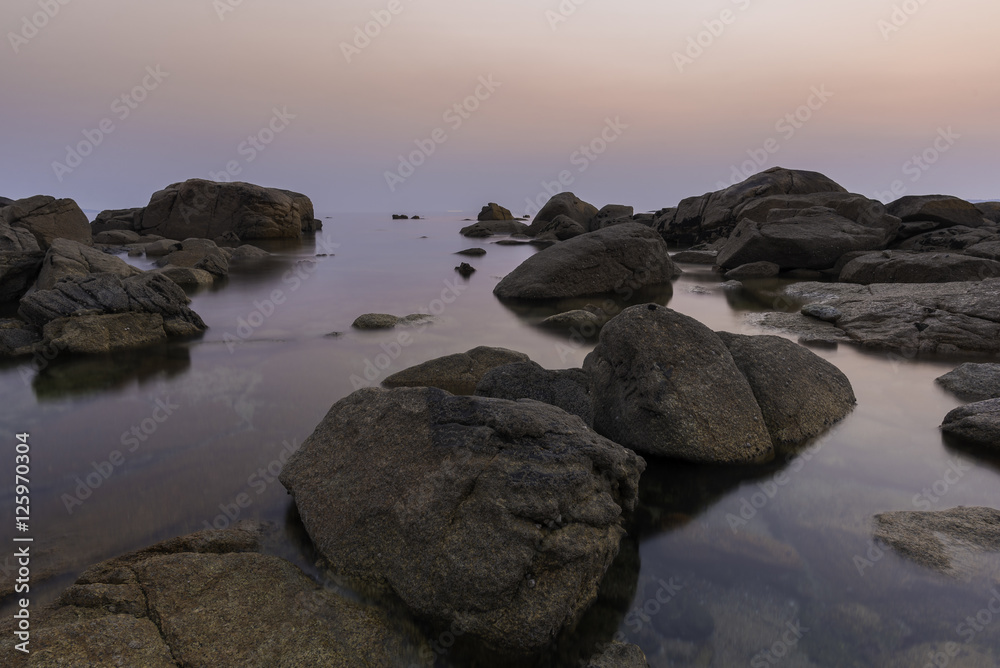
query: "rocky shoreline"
502, 493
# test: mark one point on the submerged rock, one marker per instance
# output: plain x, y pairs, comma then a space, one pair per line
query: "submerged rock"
621, 257
664, 384
568, 389
499, 516
208, 600
458, 374
977, 423
955, 542
472, 252
577, 323
973, 382
385, 321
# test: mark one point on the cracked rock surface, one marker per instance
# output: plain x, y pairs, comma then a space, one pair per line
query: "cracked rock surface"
498, 516
210, 599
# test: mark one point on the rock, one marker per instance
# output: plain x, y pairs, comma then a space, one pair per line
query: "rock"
116, 237
494, 211
206, 210
612, 214
17, 338
568, 389
117, 219
248, 253
943, 209
102, 294
619, 655
199, 254
800, 394
812, 238
909, 230
102, 334
67, 258
973, 382
17, 240
986, 249
820, 312
490, 228
385, 321
948, 541
472, 252
465, 269
398, 216
592, 264
415, 218
664, 384
162, 248
560, 228
956, 238
187, 277
18, 272
458, 374
499, 516
714, 215
753, 270
5, 201
990, 210
977, 423
579, 322
916, 319
564, 204
903, 267
48, 219
696, 257
211, 599
310, 224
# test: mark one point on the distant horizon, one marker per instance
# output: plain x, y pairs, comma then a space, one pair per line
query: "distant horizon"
394, 105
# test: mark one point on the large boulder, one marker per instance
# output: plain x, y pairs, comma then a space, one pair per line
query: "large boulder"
612, 214
17, 239
207, 600
67, 258
201, 254
560, 228
568, 389
956, 238
103, 294
942, 209
973, 382
494, 211
800, 394
977, 423
111, 220
564, 204
499, 516
18, 272
714, 215
667, 385
458, 374
48, 219
949, 541
812, 238
489, 228
903, 267
310, 223
595, 263
990, 210
209, 210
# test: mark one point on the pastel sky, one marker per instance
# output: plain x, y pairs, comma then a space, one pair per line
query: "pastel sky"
885, 86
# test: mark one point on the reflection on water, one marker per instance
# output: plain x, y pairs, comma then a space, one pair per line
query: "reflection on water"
719, 562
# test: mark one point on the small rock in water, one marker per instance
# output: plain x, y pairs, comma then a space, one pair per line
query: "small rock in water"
973, 382
465, 269
472, 252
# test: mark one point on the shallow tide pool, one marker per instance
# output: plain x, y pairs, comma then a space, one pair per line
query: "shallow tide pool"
723, 567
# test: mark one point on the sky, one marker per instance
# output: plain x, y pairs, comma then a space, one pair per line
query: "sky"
421, 106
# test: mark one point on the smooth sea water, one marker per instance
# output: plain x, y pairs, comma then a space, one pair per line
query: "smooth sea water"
723, 566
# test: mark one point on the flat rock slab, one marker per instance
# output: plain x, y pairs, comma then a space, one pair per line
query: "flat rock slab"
209, 600
500, 516
973, 382
458, 374
959, 542
912, 319
385, 320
